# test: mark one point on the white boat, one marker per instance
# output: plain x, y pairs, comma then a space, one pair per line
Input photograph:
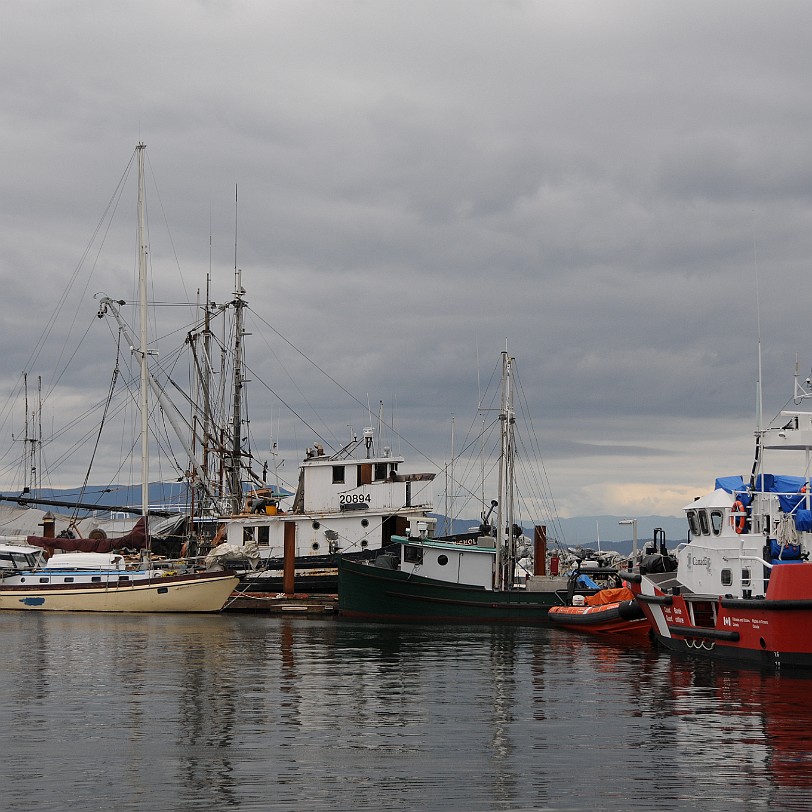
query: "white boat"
741, 588
102, 582
345, 504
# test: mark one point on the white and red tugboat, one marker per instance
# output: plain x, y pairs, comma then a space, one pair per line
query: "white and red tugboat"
741, 587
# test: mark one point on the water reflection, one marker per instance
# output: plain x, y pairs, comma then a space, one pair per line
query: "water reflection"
266, 713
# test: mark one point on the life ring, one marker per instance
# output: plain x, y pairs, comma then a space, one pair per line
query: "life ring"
738, 523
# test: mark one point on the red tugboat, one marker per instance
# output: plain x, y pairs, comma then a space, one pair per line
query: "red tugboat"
741, 588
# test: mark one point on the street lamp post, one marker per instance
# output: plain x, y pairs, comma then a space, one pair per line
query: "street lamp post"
633, 523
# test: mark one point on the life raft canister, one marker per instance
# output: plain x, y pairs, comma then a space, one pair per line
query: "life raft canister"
738, 523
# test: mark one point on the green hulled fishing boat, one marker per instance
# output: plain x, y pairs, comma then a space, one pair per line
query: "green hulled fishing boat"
464, 577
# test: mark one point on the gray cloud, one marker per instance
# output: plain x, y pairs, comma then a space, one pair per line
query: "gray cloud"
603, 186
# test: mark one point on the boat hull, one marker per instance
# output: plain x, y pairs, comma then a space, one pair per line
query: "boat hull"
203, 592
774, 631
313, 575
373, 593
623, 619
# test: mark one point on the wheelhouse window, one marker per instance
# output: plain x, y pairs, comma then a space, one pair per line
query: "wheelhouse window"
380, 470
692, 523
716, 520
263, 535
413, 555
338, 474
703, 523
745, 577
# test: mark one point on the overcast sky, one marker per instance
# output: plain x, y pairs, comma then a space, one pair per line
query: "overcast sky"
605, 186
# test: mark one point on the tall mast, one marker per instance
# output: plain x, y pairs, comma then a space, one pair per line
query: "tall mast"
236, 417
504, 512
144, 346
206, 379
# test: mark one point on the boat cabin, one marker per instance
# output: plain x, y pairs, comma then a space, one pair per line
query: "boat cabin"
739, 534
467, 558
17, 558
341, 504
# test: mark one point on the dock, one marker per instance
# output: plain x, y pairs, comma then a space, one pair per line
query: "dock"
267, 603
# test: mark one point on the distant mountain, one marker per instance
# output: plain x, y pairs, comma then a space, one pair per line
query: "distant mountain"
586, 531
577, 531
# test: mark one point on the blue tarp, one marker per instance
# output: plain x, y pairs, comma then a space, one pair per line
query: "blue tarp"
803, 520
788, 488
791, 552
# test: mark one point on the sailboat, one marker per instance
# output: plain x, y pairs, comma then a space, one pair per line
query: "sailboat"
103, 581
459, 577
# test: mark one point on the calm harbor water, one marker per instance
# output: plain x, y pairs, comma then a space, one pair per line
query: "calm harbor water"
262, 713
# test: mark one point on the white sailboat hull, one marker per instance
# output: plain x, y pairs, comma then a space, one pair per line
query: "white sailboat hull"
182, 593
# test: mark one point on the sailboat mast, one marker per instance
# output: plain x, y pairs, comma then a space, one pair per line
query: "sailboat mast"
504, 512
206, 380
236, 418
143, 350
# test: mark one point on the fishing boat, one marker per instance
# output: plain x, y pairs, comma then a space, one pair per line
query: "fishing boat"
97, 581
467, 577
741, 587
599, 603
352, 502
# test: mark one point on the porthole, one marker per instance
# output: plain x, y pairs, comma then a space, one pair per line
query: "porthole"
364, 543
315, 545
442, 560
316, 525
364, 522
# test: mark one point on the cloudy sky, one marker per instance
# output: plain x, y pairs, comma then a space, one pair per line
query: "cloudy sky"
615, 189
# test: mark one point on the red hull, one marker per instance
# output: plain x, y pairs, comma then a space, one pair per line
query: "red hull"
774, 630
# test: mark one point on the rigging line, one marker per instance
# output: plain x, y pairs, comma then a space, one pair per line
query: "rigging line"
472, 462
349, 394
98, 436
336, 442
529, 419
166, 224
53, 320
289, 407
73, 355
